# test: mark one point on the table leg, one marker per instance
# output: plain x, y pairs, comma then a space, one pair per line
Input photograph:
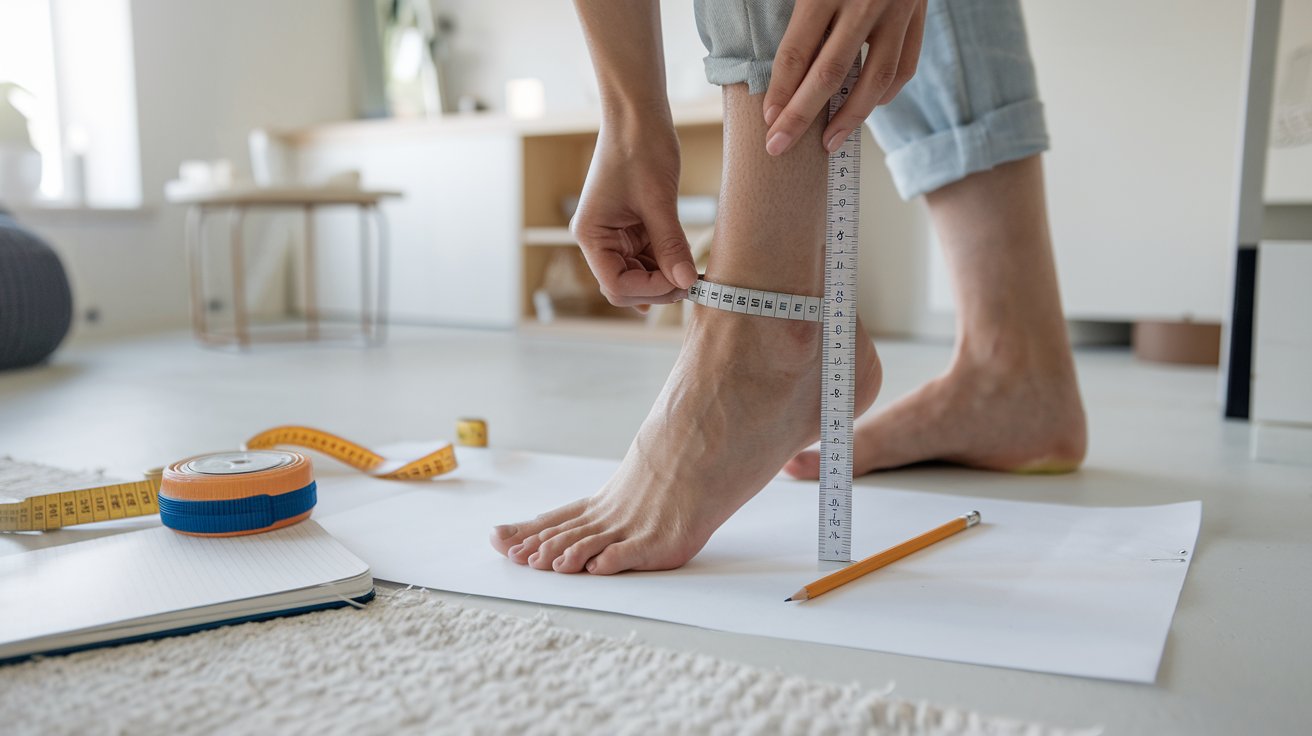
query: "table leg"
311, 296
192, 236
236, 218
380, 314
366, 310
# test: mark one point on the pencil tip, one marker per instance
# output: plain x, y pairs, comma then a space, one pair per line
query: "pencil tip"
787, 599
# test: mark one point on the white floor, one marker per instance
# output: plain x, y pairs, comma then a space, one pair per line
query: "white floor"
1238, 658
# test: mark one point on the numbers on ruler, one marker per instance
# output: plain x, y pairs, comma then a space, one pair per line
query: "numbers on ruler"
839, 321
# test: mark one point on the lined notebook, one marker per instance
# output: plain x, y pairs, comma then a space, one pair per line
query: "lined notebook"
156, 582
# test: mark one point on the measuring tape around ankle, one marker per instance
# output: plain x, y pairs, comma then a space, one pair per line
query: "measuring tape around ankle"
219, 478
754, 301
838, 346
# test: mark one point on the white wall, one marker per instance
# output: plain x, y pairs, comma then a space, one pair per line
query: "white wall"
508, 39
207, 71
1289, 170
206, 74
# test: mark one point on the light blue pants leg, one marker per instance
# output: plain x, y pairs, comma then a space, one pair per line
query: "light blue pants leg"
972, 105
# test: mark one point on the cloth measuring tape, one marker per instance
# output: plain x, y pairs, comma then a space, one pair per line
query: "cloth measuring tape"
251, 490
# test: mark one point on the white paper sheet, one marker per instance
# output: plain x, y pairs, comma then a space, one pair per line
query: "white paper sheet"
1065, 589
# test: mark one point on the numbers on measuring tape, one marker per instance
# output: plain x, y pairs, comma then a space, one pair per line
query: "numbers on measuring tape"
839, 383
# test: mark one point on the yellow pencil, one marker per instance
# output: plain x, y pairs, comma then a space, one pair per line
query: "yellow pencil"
892, 554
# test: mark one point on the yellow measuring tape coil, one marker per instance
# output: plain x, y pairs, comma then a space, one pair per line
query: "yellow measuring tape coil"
436, 463
182, 480
471, 432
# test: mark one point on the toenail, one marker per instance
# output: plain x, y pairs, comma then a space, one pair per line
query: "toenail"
592, 565
534, 557
515, 550
506, 530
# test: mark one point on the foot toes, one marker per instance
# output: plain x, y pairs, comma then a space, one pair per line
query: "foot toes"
506, 536
615, 558
522, 551
555, 544
805, 465
573, 559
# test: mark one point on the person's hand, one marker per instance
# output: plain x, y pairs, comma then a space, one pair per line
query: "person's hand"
808, 68
627, 221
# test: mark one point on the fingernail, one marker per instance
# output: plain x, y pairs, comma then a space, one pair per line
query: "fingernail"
835, 142
772, 113
777, 143
592, 565
506, 530
684, 275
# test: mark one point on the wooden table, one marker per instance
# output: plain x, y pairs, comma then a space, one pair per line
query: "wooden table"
235, 203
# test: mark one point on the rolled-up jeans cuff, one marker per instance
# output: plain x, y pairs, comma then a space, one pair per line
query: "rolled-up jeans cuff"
1009, 133
756, 72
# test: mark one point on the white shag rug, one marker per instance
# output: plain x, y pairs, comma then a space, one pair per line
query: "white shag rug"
411, 663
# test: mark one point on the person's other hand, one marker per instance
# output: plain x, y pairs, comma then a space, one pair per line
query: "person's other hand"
809, 68
627, 221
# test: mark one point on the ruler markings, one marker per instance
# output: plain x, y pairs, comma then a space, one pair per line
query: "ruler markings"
838, 349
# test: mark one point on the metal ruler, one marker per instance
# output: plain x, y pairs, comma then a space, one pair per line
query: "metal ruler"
838, 376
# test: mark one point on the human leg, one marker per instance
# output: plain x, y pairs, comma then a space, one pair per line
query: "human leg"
967, 132
1009, 400
744, 395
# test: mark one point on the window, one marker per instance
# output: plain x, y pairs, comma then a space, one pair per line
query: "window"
73, 60
27, 59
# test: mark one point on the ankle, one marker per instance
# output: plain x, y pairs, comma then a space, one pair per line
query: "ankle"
1011, 352
779, 347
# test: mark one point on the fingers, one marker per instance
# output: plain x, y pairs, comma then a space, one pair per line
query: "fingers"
805, 32
635, 268
822, 80
881, 74
617, 275
640, 302
668, 246
910, 58
804, 79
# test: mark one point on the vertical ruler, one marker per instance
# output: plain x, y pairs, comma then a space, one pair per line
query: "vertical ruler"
838, 376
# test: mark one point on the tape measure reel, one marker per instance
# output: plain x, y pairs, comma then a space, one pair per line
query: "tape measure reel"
471, 432
234, 493
247, 491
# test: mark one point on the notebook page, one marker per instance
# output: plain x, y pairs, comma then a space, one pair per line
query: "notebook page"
108, 580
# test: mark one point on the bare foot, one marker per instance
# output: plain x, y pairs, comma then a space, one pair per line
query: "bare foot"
1011, 414
744, 395
742, 399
